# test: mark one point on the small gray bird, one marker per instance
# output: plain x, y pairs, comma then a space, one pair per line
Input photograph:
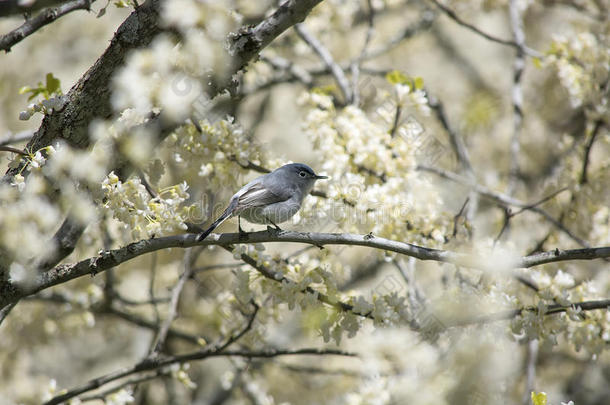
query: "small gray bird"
269, 199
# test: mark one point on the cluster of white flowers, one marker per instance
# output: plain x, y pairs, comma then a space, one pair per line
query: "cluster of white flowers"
582, 63
300, 283
143, 214
27, 220
406, 97
374, 174
590, 330
180, 373
213, 153
171, 76
121, 397
373, 391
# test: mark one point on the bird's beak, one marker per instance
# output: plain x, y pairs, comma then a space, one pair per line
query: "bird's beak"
320, 177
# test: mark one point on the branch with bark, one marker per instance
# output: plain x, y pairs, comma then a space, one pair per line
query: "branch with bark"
45, 17
111, 258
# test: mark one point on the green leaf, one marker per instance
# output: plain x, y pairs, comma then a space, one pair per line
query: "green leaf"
537, 63
326, 90
397, 77
419, 82
538, 398
53, 84
25, 89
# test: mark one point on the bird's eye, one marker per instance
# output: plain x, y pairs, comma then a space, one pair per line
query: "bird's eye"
302, 174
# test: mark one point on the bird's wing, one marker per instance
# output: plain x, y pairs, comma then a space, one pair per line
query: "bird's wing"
258, 195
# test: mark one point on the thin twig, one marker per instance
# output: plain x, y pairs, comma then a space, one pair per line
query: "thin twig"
133, 319
355, 65
591, 139
451, 14
133, 381
530, 371
512, 313
328, 60
516, 23
280, 278
422, 24
457, 143
173, 305
13, 150
45, 17
502, 199
6, 310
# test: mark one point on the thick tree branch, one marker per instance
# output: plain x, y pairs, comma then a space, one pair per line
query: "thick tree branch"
112, 258
46, 16
249, 41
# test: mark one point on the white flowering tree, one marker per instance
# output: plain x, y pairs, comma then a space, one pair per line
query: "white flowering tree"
458, 254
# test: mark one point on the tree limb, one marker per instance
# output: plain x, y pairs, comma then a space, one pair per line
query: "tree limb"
46, 16
199, 355
108, 259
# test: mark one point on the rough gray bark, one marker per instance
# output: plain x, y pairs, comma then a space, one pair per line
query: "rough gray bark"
112, 258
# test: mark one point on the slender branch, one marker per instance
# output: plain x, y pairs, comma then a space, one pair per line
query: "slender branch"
422, 24
46, 16
199, 355
173, 305
516, 23
280, 278
296, 72
108, 259
530, 371
6, 310
591, 139
512, 313
502, 199
355, 65
133, 319
13, 7
132, 381
451, 14
457, 143
13, 150
327, 58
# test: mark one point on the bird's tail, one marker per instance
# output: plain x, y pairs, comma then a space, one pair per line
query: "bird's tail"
225, 215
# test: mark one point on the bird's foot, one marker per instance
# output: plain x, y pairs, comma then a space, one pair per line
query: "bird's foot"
275, 228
